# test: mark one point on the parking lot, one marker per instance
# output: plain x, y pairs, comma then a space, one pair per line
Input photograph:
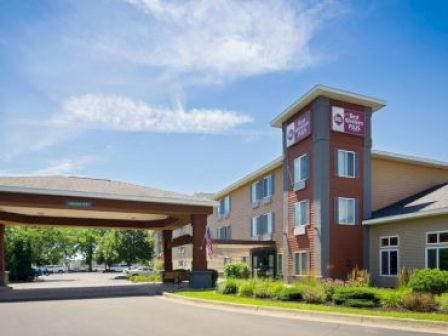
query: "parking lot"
79, 279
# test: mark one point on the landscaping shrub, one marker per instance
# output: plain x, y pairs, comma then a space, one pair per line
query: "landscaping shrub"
215, 275
392, 298
330, 286
294, 293
358, 278
228, 286
420, 302
276, 288
314, 294
246, 288
263, 289
428, 280
146, 278
442, 301
356, 297
237, 271
404, 276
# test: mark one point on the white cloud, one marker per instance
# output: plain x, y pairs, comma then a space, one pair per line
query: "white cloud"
122, 113
221, 38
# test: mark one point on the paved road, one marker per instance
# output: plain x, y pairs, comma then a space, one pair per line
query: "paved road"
143, 316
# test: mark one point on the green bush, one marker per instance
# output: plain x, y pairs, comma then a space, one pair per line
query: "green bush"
228, 286
358, 278
314, 294
146, 278
356, 297
237, 271
276, 288
420, 302
442, 301
404, 276
392, 298
428, 280
246, 288
263, 289
294, 293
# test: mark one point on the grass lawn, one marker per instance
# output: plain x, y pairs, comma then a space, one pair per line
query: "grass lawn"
213, 296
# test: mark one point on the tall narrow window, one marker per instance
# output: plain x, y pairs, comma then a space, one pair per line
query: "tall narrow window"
301, 263
389, 256
346, 163
280, 264
301, 168
224, 206
301, 213
437, 250
346, 208
262, 224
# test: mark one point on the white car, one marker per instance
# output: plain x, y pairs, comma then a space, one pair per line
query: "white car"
55, 268
118, 268
140, 270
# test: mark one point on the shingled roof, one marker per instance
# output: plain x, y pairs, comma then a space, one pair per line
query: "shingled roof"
97, 188
428, 201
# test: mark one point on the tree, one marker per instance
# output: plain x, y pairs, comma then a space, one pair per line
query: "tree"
87, 241
19, 261
126, 245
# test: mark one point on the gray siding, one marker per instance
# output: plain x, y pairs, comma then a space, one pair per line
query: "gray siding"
412, 244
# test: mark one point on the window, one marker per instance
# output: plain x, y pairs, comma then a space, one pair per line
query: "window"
227, 260
224, 233
280, 264
224, 206
302, 213
346, 208
263, 224
389, 258
244, 260
346, 163
437, 250
262, 189
301, 168
301, 263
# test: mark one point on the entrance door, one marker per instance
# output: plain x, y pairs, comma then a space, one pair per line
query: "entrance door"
263, 264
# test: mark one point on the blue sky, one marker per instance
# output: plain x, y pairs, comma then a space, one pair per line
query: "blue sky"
179, 94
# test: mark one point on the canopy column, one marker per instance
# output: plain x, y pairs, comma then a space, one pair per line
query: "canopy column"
2, 256
167, 250
200, 277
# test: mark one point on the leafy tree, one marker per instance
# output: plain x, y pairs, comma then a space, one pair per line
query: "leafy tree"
19, 260
107, 253
87, 241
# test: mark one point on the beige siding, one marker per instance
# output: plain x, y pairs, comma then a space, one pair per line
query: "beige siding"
412, 244
393, 181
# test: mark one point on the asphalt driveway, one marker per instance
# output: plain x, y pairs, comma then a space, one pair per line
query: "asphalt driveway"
143, 316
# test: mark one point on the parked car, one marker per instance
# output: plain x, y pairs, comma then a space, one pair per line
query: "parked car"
55, 269
140, 270
118, 268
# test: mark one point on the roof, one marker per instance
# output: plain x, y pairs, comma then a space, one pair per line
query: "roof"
332, 93
250, 177
432, 201
95, 188
409, 159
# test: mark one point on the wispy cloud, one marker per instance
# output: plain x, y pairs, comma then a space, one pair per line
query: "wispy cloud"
220, 39
123, 113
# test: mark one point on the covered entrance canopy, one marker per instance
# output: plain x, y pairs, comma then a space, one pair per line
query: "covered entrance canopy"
100, 203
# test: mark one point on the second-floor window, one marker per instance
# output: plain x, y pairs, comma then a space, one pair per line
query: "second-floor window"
301, 213
224, 233
262, 189
224, 206
346, 163
301, 168
346, 211
262, 224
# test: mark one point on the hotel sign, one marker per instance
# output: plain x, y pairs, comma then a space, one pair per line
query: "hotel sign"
298, 129
78, 204
347, 121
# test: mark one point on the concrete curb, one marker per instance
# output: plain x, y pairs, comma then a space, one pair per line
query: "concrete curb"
364, 320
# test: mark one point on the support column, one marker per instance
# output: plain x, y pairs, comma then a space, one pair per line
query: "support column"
199, 224
167, 251
2, 256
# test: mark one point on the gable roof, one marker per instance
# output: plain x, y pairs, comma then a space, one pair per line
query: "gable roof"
96, 188
429, 202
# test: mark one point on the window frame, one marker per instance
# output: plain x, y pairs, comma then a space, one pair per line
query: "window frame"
389, 248
355, 161
299, 159
296, 204
266, 185
355, 201
299, 253
438, 238
434, 246
268, 215
388, 238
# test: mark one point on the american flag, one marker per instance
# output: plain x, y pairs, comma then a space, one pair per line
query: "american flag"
209, 242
